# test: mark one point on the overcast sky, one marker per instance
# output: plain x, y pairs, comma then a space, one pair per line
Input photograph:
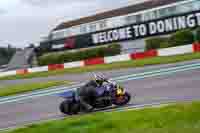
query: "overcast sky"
25, 21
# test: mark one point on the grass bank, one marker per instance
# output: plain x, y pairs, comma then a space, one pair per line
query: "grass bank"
117, 65
16, 89
179, 118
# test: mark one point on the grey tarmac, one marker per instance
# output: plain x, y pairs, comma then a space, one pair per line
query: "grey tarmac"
86, 76
178, 86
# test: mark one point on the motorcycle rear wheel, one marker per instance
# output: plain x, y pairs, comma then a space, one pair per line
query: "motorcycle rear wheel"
69, 108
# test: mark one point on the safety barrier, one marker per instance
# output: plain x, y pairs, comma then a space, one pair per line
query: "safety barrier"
196, 47
8, 73
94, 61
22, 71
38, 69
74, 64
175, 50
53, 67
117, 58
141, 55
106, 60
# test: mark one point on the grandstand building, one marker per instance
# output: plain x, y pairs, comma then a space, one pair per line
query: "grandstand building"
128, 26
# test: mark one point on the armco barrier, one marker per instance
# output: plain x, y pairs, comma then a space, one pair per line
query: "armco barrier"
117, 58
74, 64
147, 54
196, 47
175, 50
55, 67
22, 71
94, 61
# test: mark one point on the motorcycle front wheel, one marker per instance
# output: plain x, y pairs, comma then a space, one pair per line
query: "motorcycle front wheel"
122, 100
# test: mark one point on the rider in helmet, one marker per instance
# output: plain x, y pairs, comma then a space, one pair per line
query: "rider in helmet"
87, 92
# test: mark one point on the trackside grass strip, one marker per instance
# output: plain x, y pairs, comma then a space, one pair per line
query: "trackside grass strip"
177, 118
117, 65
17, 89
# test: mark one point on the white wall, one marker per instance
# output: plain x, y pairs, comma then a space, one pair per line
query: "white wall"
74, 64
175, 50
117, 58
38, 69
8, 73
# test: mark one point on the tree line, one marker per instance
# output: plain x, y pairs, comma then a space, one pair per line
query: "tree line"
6, 54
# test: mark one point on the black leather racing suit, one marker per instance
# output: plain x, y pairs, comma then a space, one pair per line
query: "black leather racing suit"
87, 93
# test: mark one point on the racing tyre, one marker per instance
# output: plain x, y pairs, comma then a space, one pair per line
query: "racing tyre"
74, 108
122, 100
69, 108
64, 107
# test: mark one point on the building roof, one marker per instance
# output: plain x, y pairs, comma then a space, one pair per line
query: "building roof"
116, 12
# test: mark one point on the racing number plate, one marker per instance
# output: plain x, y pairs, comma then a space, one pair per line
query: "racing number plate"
120, 92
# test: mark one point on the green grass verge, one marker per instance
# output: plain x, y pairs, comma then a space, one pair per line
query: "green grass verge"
16, 89
117, 65
177, 118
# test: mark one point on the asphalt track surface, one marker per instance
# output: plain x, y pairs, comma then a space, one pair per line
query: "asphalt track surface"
179, 86
85, 76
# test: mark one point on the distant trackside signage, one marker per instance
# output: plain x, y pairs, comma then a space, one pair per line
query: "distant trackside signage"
150, 28
155, 27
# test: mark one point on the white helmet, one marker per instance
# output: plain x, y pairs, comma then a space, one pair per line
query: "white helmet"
98, 76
